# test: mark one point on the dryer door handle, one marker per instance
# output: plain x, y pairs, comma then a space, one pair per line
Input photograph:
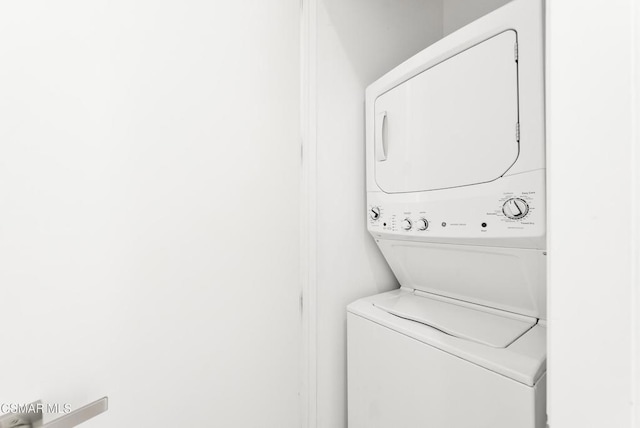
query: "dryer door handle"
380, 136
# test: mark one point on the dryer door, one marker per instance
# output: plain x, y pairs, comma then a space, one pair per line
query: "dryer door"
453, 124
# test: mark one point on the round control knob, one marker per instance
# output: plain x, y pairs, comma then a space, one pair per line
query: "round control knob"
515, 208
406, 224
422, 224
374, 213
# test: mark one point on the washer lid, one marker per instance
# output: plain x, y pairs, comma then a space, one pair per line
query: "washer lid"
488, 326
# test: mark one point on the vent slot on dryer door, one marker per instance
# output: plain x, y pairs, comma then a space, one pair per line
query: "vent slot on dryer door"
452, 125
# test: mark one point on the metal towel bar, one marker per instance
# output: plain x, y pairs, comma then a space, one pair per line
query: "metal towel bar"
32, 418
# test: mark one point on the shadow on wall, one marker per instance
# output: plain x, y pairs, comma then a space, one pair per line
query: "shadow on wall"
370, 31
458, 13
355, 21
360, 40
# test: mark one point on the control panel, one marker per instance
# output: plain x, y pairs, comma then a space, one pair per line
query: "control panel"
514, 211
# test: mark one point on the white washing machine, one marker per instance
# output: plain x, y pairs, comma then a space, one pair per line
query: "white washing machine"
456, 203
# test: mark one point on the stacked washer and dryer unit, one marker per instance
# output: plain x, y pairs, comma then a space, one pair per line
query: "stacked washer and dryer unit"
456, 203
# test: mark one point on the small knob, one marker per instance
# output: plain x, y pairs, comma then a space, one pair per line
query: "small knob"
422, 224
406, 224
374, 213
515, 208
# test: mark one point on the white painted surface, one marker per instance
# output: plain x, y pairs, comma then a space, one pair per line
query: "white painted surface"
356, 42
386, 361
458, 13
149, 161
593, 159
635, 227
308, 214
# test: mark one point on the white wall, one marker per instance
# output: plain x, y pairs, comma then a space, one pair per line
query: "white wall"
594, 211
458, 13
149, 170
352, 43
635, 245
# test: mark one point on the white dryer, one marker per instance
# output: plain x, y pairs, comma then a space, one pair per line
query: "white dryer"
456, 203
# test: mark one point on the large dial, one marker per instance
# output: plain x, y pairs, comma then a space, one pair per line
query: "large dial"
515, 208
406, 224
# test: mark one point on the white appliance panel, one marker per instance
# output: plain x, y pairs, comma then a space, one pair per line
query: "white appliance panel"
509, 279
523, 361
453, 124
479, 324
397, 381
472, 215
